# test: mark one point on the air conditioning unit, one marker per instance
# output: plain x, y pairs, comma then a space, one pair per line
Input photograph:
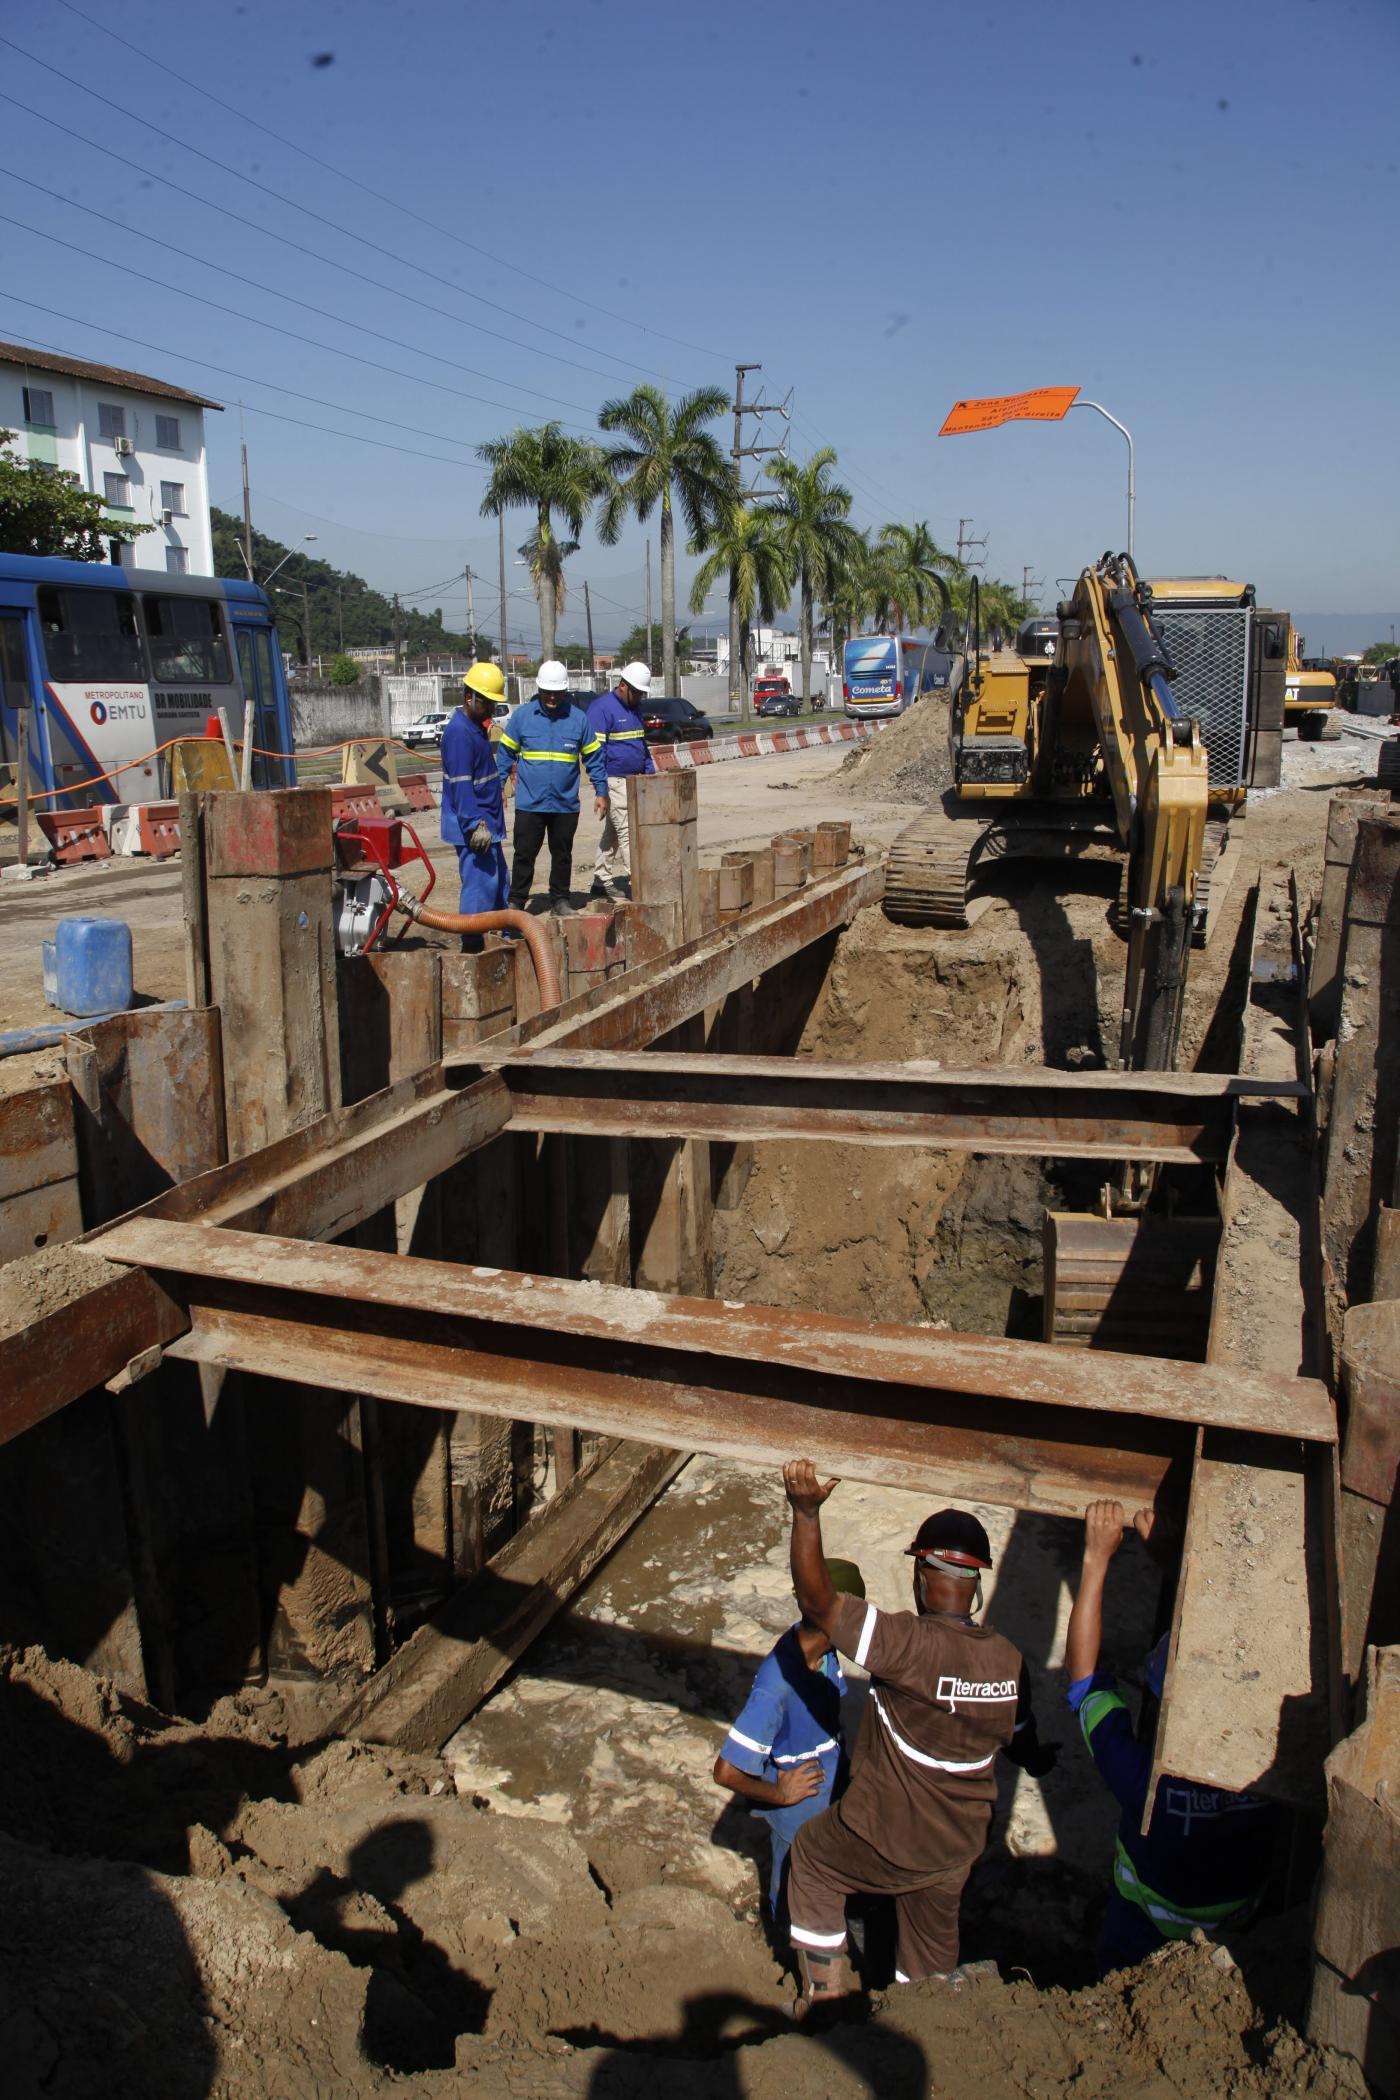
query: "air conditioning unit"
166, 516
124, 447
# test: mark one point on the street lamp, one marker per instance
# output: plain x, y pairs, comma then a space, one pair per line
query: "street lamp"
1132, 489
308, 537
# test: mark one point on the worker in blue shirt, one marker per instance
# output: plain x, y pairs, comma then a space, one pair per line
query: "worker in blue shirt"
473, 813
1206, 1855
617, 722
544, 743
785, 1753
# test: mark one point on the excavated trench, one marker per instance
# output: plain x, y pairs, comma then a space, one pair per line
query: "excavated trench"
563, 1902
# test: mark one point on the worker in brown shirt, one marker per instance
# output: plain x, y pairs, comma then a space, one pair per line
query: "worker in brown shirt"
946, 1695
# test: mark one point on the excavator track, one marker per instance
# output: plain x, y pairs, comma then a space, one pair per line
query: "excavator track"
926, 874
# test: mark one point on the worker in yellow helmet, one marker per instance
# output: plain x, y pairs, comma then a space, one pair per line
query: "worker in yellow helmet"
473, 812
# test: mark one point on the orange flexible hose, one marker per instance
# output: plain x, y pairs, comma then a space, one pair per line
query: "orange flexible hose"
521, 922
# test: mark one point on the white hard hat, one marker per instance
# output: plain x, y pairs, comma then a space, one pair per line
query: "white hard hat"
552, 677
638, 676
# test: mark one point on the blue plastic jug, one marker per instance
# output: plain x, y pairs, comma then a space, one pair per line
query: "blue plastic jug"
87, 966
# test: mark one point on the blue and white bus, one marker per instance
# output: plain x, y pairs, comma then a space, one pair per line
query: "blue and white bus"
884, 673
109, 664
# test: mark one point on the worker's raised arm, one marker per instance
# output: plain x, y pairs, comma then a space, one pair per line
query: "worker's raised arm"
816, 1595
1103, 1534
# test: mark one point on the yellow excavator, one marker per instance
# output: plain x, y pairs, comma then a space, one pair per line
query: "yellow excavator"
1309, 695
1090, 753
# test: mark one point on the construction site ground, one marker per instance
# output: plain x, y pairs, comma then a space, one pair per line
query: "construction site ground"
563, 1902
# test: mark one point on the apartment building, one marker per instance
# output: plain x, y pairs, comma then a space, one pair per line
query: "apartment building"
136, 442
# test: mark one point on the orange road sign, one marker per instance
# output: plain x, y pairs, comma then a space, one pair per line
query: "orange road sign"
1043, 404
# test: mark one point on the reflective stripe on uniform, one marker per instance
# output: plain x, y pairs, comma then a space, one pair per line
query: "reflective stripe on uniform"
867, 1634
816, 1939
509, 742
921, 1757
760, 1749
558, 758
797, 1757
1175, 1921
616, 736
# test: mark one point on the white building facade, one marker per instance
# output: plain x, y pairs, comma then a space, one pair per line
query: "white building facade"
136, 442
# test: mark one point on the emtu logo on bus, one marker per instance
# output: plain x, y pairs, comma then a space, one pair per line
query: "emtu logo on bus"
98, 713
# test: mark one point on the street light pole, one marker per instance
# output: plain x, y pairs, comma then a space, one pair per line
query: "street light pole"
1099, 408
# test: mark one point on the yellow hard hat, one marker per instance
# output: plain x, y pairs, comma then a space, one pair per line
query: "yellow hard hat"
486, 679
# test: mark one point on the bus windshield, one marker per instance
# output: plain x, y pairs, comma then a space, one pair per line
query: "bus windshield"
870, 667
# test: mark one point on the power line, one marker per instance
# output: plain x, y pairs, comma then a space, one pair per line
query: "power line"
354, 437
299, 248
279, 197
342, 320
180, 291
251, 378
343, 175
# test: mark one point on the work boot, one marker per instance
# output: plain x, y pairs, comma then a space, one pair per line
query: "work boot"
562, 907
827, 1987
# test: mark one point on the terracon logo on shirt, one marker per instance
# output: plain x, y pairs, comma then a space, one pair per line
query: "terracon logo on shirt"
973, 1691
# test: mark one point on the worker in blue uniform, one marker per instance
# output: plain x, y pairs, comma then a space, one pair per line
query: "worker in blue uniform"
473, 812
1206, 1855
617, 722
544, 743
786, 1754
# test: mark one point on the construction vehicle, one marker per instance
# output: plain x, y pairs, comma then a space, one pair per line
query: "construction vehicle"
1134, 742
1310, 692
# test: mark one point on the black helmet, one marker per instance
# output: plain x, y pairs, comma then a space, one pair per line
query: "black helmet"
955, 1535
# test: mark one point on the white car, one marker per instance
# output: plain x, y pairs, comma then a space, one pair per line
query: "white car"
426, 730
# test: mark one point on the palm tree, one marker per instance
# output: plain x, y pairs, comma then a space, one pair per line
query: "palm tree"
667, 454
748, 547
812, 514
548, 471
918, 569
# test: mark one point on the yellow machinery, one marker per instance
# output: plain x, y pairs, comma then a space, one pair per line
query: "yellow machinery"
1084, 754
1081, 755
1309, 696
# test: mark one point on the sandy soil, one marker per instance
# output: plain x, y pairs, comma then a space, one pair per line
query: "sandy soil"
563, 1903
223, 1912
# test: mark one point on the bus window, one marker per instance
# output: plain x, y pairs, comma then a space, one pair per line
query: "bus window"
15, 689
186, 640
90, 636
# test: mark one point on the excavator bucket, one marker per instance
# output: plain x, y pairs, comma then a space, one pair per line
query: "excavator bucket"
1143, 1285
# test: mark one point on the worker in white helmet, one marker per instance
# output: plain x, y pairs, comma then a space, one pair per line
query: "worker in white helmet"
617, 723
544, 744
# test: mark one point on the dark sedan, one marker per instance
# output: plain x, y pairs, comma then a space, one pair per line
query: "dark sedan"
777, 704
668, 721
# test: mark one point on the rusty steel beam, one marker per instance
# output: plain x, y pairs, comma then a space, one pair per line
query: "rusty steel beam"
329, 1176
1165, 1116
76, 1346
629, 1011
1011, 1422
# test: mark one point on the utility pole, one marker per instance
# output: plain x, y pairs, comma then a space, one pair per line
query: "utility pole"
501, 530
398, 643
247, 516
340, 606
965, 539
738, 671
588, 616
650, 655
1030, 583
305, 626
471, 611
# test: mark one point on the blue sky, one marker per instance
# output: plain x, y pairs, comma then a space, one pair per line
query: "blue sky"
1195, 220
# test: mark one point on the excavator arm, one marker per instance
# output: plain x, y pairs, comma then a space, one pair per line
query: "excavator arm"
1112, 663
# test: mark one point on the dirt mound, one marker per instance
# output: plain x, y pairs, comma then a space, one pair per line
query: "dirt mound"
35, 1285
906, 762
